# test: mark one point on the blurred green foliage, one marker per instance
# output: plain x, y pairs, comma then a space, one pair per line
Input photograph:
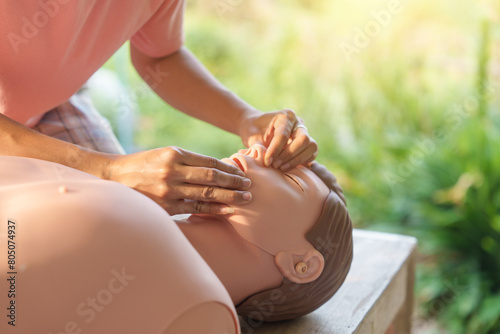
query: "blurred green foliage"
409, 123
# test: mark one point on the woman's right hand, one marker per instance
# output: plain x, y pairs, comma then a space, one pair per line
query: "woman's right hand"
181, 181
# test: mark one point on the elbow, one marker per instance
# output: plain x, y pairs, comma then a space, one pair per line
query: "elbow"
141, 61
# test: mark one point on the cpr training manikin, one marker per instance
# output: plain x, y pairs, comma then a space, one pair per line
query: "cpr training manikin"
94, 256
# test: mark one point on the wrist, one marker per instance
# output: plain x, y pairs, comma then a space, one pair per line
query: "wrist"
96, 163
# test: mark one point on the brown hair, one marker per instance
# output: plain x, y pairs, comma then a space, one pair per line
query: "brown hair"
331, 235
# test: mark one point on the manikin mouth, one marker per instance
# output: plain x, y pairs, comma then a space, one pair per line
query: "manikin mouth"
240, 166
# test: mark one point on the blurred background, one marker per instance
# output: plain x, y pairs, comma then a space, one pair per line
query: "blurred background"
403, 98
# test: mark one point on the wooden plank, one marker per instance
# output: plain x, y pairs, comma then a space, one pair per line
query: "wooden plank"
373, 294
387, 306
402, 322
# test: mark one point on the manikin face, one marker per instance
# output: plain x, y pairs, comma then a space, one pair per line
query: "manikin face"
284, 206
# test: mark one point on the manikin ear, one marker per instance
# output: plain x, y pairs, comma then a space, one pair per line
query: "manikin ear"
300, 266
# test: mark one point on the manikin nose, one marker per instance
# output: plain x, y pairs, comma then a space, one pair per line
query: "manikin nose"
256, 151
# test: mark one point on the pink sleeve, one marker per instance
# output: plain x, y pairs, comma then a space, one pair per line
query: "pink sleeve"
163, 33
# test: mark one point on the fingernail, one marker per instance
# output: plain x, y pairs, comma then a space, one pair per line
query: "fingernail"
277, 164
227, 210
240, 173
247, 196
247, 183
285, 167
268, 161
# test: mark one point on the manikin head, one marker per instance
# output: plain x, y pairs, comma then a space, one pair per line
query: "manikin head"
304, 224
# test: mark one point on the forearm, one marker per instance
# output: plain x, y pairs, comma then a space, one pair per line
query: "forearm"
18, 140
184, 83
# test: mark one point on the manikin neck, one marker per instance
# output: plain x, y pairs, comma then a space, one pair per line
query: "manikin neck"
243, 268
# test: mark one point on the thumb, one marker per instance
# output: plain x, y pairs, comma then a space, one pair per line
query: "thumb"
269, 134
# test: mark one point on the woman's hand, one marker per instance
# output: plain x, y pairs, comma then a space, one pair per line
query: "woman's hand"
181, 181
283, 134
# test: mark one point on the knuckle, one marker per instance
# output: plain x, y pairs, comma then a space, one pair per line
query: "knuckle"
211, 162
163, 190
169, 150
166, 173
208, 192
281, 132
280, 113
235, 182
172, 153
197, 207
211, 175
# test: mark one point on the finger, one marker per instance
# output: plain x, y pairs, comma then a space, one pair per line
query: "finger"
283, 126
303, 157
299, 142
213, 194
197, 207
194, 159
214, 177
268, 136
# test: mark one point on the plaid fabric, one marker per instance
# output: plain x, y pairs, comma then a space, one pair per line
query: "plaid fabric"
78, 122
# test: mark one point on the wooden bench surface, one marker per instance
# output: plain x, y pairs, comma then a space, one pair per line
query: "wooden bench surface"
378, 291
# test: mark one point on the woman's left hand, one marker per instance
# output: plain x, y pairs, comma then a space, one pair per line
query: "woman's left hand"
284, 135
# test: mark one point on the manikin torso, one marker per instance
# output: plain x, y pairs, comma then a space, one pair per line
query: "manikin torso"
94, 256
75, 251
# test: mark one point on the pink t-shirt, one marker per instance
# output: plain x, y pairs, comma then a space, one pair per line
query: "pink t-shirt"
49, 48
